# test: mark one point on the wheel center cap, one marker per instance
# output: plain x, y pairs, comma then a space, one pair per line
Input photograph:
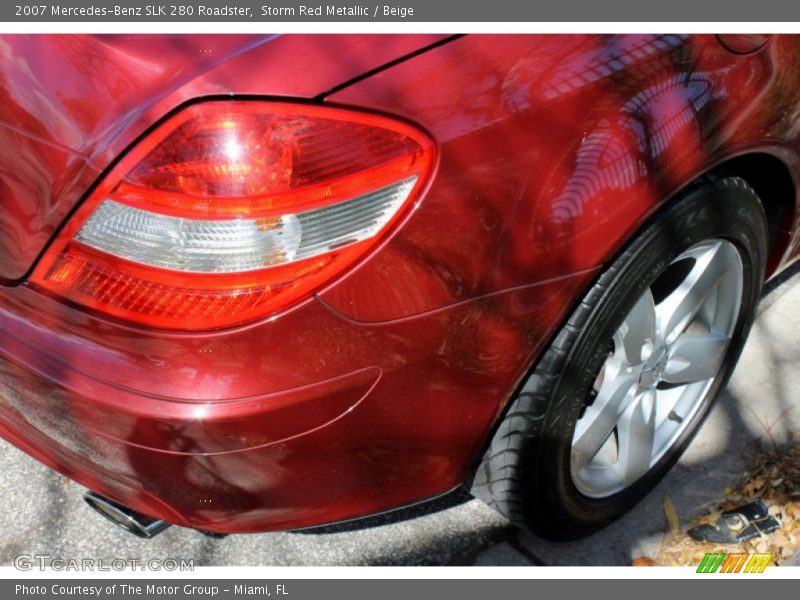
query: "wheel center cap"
653, 367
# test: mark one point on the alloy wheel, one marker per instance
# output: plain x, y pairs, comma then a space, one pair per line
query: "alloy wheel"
662, 362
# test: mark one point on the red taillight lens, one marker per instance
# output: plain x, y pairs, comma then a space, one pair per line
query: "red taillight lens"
232, 210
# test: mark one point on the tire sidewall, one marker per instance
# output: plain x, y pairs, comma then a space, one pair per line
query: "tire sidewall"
723, 208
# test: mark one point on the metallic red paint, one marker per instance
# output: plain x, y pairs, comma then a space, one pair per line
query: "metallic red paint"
555, 149
218, 432
380, 391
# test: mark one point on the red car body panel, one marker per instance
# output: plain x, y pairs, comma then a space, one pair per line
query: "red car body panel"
550, 162
381, 390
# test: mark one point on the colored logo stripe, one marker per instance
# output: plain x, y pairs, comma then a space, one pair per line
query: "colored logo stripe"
734, 563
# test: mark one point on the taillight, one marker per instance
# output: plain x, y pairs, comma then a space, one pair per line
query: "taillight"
232, 210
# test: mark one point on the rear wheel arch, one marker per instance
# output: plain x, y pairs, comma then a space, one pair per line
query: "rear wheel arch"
773, 182
771, 178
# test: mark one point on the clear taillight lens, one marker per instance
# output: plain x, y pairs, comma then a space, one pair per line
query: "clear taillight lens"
232, 210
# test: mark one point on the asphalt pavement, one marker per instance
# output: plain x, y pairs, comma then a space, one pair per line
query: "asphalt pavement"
42, 512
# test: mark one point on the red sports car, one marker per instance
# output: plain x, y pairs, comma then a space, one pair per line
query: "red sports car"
251, 283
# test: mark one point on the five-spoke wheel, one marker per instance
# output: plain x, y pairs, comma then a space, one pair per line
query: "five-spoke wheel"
665, 356
632, 372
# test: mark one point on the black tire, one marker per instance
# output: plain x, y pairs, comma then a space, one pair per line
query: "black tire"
525, 470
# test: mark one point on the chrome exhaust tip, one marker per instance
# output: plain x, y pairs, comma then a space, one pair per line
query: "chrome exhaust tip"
131, 521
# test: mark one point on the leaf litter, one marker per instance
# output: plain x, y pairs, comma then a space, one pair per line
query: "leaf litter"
774, 478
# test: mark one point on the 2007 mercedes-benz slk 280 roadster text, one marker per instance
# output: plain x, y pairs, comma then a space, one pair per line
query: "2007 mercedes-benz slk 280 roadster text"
256, 283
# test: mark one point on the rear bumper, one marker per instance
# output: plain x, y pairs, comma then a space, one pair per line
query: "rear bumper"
347, 418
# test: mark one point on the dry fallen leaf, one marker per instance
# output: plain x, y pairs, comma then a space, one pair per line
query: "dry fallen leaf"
753, 486
672, 516
643, 561
712, 517
773, 477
